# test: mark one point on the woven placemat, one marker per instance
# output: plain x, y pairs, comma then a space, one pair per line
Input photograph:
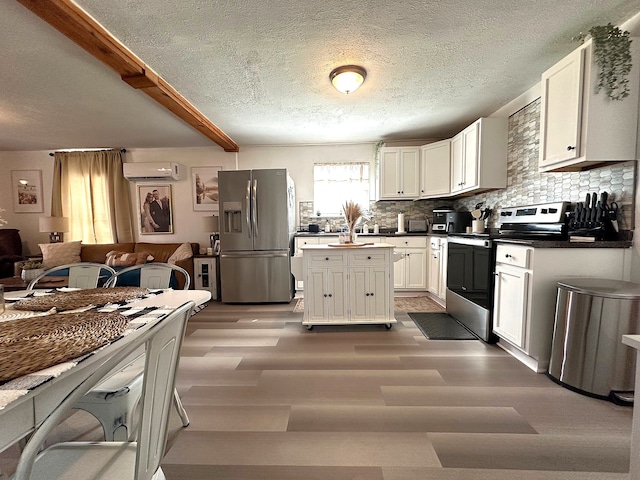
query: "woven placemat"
28, 345
97, 297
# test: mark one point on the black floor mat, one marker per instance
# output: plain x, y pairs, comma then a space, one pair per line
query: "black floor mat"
440, 326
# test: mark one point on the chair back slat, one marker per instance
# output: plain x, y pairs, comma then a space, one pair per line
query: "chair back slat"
152, 275
163, 352
80, 275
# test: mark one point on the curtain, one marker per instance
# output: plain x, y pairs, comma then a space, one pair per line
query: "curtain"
89, 189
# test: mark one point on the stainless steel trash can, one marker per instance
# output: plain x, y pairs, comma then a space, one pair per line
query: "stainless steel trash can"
587, 353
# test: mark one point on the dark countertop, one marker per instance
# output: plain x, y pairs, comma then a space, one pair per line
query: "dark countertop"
370, 234
568, 244
494, 236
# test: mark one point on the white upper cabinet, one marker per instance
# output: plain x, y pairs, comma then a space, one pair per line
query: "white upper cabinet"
435, 169
399, 173
479, 157
580, 129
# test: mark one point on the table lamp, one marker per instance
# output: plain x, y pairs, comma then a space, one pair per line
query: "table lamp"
211, 225
55, 226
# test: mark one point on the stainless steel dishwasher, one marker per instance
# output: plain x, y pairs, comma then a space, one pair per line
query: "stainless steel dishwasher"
587, 353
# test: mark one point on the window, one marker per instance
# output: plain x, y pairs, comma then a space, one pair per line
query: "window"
336, 183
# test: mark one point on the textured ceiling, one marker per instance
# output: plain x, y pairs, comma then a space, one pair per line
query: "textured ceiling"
259, 69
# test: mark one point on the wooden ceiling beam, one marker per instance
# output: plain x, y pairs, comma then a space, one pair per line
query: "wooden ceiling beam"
77, 25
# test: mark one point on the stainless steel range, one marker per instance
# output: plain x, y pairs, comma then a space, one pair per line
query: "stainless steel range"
471, 261
545, 220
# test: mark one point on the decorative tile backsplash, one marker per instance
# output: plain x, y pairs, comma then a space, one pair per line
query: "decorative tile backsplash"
525, 185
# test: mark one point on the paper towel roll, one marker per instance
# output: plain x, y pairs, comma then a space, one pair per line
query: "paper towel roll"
401, 223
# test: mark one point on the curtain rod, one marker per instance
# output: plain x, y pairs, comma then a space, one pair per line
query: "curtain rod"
123, 150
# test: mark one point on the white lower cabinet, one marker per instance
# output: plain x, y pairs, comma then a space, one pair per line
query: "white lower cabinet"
205, 277
437, 267
348, 285
325, 294
510, 309
525, 292
410, 271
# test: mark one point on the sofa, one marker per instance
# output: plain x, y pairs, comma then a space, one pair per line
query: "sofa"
160, 251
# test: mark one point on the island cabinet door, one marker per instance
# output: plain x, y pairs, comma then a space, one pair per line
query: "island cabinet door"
369, 294
325, 294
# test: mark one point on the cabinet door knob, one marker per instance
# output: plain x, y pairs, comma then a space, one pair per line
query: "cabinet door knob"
330, 295
372, 294
569, 148
369, 258
326, 258
508, 255
325, 294
366, 294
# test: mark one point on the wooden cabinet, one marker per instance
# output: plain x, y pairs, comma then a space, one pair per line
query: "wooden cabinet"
348, 285
526, 288
479, 157
296, 259
511, 294
580, 129
410, 271
435, 169
206, 276
399, 173
325, 296
437, 266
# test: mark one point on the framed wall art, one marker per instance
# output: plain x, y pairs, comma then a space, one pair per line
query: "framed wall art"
204, 181
27, 191
154, 207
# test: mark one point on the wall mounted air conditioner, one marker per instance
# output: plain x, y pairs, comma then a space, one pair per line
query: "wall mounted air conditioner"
147, 171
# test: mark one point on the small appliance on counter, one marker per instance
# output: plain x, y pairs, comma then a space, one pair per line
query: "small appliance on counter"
457, 222
439, 224
418, 226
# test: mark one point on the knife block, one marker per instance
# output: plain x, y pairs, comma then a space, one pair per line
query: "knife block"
602, 230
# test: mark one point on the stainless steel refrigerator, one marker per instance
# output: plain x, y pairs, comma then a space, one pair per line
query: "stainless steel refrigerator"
257, 225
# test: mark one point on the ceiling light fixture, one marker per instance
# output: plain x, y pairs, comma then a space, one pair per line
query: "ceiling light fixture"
347, 78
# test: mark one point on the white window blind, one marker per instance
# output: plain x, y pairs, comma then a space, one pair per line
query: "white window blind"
336, 183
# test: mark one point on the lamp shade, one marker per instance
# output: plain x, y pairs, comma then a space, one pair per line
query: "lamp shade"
54, 224
210, 224
348, 78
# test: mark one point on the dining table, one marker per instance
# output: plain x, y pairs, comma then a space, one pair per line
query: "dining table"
27, 400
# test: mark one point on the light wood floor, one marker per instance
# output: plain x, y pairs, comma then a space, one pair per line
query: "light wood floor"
270, 400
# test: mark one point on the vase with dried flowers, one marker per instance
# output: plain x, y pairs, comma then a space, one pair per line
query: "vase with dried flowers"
352, 213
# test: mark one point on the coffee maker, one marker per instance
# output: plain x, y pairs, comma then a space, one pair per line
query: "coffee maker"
439, 224
457, 222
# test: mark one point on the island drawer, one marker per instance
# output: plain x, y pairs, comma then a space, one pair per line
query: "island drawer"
368, 258
325, 259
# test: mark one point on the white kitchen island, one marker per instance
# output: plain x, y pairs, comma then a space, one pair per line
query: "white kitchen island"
348, 285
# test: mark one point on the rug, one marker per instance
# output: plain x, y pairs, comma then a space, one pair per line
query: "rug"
440, 326
402, 304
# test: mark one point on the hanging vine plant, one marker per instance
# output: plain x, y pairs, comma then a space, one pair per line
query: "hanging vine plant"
611, 49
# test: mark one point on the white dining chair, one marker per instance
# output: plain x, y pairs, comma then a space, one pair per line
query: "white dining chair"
81, 275
138, 460
152, 275
113, 402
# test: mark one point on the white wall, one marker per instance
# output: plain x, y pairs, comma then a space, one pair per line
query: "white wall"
187, 223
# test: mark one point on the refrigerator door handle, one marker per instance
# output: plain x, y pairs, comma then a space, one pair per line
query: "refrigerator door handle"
248, 207
254, 210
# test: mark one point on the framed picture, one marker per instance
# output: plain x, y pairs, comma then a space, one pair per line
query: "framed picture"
154, 206
27, 191
204, 181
